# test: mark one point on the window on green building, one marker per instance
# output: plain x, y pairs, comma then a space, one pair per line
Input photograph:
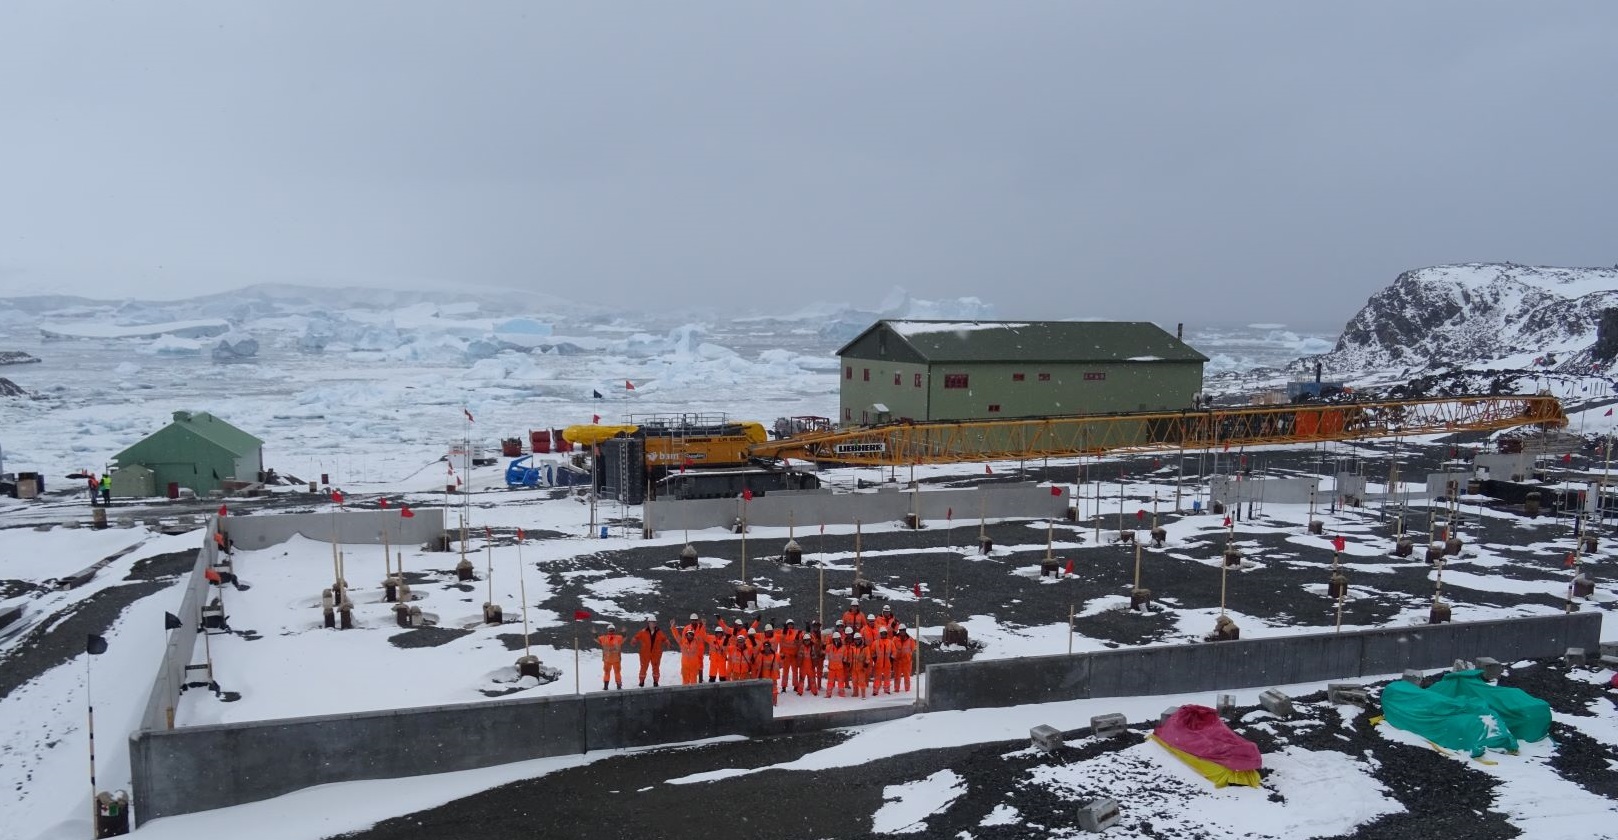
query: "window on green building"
955, 380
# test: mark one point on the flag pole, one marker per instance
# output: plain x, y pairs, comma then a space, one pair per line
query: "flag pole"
576, 655
89, 701
522, 589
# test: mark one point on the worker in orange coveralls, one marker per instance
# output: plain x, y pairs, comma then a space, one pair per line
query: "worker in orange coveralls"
836, 658
852, 615
718, 639
886, 618
859, 665
904, 648
696, 627
650, 642
612, 657
769, 667
882, 663
814, 645
691, 650
739, 658
868, 630
791, 641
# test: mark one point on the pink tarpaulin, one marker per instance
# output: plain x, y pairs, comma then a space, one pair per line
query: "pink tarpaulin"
1197, 730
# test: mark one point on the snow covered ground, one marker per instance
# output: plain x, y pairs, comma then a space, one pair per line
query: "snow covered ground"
373, 398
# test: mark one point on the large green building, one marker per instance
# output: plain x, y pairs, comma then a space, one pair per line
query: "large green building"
990, 370
197, 450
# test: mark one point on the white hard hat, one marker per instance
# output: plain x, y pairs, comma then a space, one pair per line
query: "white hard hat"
882, 631
901, 627
694, 617
769, 627
870, 617
650, 620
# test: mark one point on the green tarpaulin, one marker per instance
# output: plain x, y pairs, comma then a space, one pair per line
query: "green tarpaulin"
1463, 712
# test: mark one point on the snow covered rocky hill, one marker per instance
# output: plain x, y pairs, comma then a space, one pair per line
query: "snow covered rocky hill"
1498, 316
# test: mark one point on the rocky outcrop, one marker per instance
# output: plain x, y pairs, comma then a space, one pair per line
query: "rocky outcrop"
1480, 315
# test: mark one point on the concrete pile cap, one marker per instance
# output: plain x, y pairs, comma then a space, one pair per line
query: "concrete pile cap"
1276, 703
1046, 737
1098, 815
689, 551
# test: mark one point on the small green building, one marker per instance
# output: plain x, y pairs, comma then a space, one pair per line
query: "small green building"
997, 370
197, 450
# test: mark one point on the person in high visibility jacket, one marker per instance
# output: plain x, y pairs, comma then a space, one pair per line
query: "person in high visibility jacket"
756, 641
769, 667
882, 663
859, 665
612, 657
836, 657
814, 643
887, 619
904, 649
650, 642
791, 641
738, 658
696, 627
868, 631
691, 651
852, 615
717, 640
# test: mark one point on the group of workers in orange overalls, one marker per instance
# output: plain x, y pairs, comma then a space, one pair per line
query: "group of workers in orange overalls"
863, 654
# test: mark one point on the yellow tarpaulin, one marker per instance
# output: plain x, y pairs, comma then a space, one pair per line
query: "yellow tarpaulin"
1216, 773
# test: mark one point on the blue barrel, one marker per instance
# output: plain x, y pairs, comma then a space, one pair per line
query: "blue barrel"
1196, 505
603, 532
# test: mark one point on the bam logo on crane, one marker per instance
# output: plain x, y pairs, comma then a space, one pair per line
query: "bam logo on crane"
860, 448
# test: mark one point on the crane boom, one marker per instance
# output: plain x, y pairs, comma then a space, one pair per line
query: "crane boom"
897, 444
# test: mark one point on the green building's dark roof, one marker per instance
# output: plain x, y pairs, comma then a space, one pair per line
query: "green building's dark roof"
204, 425
1035, 341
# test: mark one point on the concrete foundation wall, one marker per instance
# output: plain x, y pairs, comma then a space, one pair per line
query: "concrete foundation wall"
361, 527
1250, 663
204, 767
1505, 467
812, 507
1221, 488
182, 641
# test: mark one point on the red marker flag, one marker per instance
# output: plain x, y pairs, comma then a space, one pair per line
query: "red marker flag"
1608, 414
223, 510
949, 514
1140, 515
337, 496
1338, 543
1056, 491
468, 415
987, 470
488, 533
1567, 458
595, 418
629, 386
822, 527
382, 503
1227, 522
406, 513
1227, 446
747, 494
1568, 564
916, 590
580, 615
1069, 570
213, 576
520, 537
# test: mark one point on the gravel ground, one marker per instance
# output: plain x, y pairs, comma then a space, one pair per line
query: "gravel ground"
60, 637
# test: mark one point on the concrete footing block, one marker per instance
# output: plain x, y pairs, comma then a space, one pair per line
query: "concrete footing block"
1046, 738
1226, 705
1492, 669
1167, 713
1098, 814
1609, 662
1351, 694
1461, 665
1276, 703
1609, 648
1109, 726
1574, 658
1412, 676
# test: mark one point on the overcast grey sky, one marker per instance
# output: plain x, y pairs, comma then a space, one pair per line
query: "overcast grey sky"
1183, 161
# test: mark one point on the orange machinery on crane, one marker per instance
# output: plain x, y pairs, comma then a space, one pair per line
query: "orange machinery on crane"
899, 444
